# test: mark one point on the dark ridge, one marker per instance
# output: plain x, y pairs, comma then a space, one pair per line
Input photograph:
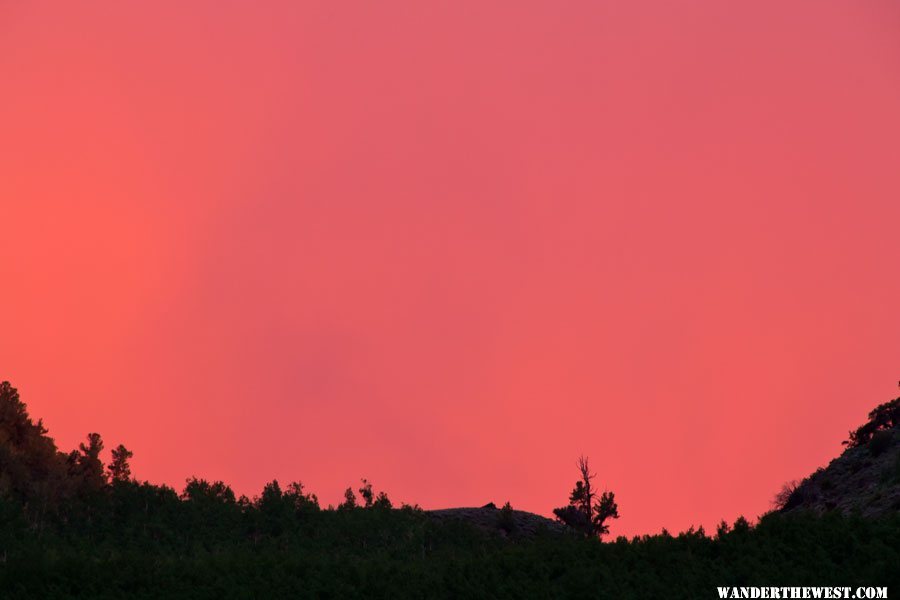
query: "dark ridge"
491, 519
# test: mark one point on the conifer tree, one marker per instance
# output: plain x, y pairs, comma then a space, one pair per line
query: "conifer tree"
119, 468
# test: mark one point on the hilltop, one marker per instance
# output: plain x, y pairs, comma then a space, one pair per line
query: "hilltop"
502, 521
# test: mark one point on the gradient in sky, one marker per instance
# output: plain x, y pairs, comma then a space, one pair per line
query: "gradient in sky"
449, 246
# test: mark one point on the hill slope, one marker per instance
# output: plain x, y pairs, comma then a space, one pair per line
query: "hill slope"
864, 479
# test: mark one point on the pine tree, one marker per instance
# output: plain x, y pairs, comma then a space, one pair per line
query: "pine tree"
119, 468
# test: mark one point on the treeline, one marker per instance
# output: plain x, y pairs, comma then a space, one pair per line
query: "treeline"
71, 526
43, 488
403, 554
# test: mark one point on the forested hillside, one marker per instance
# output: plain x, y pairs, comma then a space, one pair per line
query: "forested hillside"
71, 526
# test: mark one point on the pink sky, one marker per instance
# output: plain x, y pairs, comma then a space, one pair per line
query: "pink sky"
449, 246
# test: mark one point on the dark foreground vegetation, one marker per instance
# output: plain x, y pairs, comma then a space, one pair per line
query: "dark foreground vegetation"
72, 527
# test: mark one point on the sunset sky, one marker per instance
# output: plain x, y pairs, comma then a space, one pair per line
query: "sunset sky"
449, 246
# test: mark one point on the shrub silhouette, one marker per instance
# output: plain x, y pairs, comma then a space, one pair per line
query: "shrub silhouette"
880, 442
506, 520
882, 417
788, 497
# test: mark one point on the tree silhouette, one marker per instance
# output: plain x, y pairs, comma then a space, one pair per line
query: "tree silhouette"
119, 468
202, 492
370, 499
585, 512
604, 510
32, 471
349, 500
271, 499
299, 499
367, 494
86, 463
382, 501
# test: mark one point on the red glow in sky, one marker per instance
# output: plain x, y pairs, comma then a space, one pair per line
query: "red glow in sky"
450, 246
